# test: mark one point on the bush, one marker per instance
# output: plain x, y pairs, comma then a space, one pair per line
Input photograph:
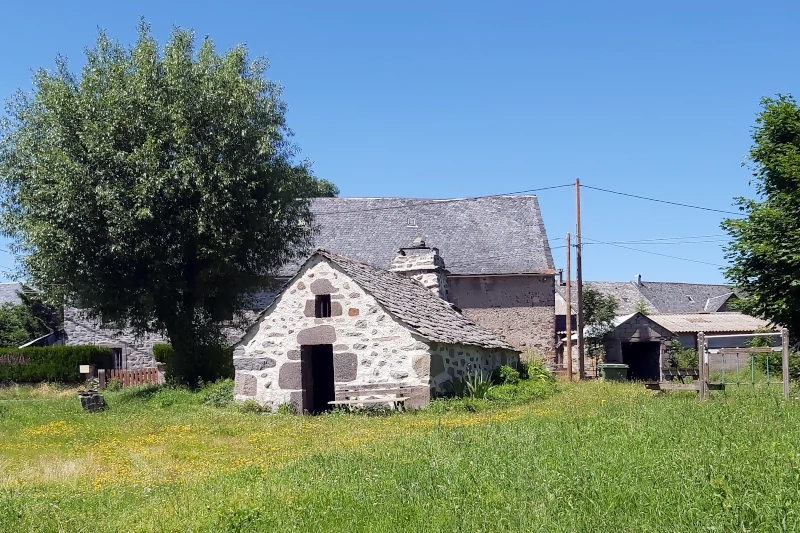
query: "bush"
536, 371
219, 393
51, 363
215, 363
681, 357
505, 375
252, 406
473, 384
776, 365
525, 391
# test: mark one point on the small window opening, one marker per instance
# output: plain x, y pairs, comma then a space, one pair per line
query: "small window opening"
322, 306
118, 361
412, 222
689, 298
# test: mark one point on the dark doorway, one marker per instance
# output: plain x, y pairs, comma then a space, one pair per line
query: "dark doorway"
316, 370
642, 358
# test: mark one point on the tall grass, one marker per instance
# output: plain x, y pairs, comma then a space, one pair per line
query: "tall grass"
595, 457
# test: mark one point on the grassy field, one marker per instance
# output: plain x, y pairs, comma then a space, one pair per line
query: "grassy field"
592, 457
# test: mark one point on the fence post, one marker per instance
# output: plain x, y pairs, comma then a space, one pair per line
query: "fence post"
703, 371
101, 379
785, 358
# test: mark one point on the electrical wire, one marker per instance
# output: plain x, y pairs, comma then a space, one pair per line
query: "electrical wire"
662, 201
657, 253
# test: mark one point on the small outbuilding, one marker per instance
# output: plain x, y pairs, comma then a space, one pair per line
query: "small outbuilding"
343, 324
639, 342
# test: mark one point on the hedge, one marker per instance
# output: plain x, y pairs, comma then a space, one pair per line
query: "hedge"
51, 363
215, 363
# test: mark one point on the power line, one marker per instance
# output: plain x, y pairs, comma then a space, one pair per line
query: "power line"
663, 201
437, 202
658, 254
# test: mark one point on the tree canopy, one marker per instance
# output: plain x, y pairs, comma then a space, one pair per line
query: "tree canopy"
158, 188
765, 247
599, 311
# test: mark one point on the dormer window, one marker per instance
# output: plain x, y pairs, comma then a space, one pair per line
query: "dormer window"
322, 306
412, 222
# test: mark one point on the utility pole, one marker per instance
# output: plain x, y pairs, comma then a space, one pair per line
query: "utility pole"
579, 272
568, 348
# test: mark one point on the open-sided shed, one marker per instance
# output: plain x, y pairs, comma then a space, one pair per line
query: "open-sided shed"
640, 343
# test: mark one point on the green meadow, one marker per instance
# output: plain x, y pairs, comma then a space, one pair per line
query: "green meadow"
587, 457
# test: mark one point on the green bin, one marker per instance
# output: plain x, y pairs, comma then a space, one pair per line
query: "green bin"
614, 371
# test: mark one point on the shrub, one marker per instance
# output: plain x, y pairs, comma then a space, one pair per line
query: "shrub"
52, 363
473, 384
680, 356
775, 360
252, 406
216, 361
219, 393
536, 371
505, 375
525, 391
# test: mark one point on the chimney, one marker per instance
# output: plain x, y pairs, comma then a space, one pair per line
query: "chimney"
560, 276
424, 265
638, 280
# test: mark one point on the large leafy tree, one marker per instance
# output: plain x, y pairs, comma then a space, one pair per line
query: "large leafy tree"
157, 189
765, 248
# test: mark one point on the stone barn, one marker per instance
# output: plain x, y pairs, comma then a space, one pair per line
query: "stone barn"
340, 323
640, 343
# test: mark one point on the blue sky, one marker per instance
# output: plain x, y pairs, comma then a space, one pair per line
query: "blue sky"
451, 99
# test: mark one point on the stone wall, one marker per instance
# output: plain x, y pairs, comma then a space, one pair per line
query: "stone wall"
520, 308
450, 361
369, 345
82, 330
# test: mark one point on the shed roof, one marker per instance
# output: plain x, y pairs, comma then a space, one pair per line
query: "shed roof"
409, 302
491, 235
709, 322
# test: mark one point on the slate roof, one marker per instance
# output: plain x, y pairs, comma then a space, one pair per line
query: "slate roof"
494, 235
8, 292
660, 297
409, 302
709, 322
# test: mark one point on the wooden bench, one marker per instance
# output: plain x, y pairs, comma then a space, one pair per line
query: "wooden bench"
394, 395
671, 373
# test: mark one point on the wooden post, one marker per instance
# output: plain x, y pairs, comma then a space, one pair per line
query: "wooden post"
579, 275
702, 370
101, 379
785, 360
568, 348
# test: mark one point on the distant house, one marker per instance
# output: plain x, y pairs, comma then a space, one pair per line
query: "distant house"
654, 296
340, 323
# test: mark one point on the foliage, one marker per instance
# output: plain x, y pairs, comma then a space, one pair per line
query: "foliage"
219, 393
52, 363
26, 321
599, 311
214, 362
287, 409
252, 406
641, 307
157, 188
473, 384
505, 375
537, 371
765, 246
680, 356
